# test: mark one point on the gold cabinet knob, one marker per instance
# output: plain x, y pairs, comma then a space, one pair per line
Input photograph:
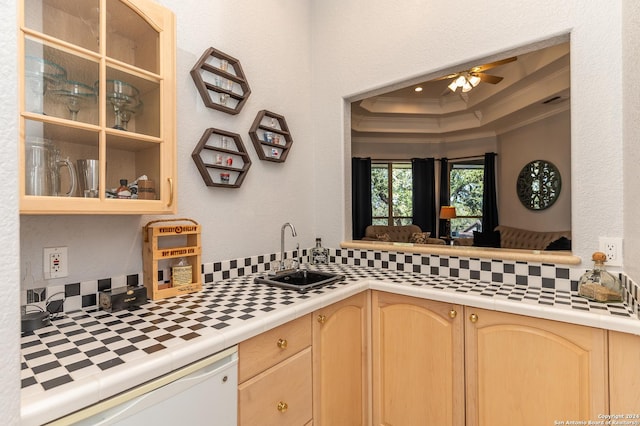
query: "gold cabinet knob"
473, 318
322, 319
282, 406
282, 343
453, 313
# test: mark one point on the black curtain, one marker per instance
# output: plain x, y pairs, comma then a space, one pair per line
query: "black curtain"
489, 198
445, 196
361, 214
424, 193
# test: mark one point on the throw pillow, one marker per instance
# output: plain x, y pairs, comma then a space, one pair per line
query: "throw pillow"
562, 243
383, 237
419, 237
486, 239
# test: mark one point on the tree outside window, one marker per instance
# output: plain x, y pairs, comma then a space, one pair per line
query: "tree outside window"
391, 193
466, 189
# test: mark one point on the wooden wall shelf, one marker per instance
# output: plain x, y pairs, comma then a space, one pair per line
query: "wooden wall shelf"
271, 137
220, 153
220, 81
155, 252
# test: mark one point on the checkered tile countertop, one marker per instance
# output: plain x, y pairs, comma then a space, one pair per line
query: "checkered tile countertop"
84, 357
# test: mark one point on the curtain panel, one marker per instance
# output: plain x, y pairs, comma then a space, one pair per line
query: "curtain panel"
424, 194
445, 195
489, 198
361, 213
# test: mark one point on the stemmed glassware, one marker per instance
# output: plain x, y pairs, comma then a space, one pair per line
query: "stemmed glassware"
74, 95
41, 75
122, 95
129, 110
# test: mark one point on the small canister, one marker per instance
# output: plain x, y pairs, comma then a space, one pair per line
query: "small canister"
146, 190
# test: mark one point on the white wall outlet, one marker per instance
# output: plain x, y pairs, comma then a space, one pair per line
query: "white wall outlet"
612, 247
55, 262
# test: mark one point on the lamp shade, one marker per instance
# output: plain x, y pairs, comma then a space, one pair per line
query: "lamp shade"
447, 212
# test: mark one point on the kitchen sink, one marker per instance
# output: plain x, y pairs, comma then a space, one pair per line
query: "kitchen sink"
300, 280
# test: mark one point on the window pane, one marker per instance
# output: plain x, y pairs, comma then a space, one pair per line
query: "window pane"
466, 189
379, 191
402, 187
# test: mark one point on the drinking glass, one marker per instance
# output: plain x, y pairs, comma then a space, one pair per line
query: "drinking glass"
74, 95
120, 94
128, 110
41, 75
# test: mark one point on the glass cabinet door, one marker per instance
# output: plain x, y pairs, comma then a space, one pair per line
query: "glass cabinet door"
98, 107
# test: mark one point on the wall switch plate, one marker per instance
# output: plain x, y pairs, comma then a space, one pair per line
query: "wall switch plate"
612, 248
55, 262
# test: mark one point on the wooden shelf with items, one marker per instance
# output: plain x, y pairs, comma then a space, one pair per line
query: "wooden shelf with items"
221, 158
271, 137
220, 81
166, 241
87, 93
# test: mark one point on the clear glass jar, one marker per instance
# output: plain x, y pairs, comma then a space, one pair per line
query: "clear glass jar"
598, 284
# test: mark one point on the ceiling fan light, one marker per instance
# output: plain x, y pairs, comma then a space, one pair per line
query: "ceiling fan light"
453, 86
466, 87
474, 80
460, 81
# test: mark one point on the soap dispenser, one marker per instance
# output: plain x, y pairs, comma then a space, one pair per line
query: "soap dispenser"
598, 284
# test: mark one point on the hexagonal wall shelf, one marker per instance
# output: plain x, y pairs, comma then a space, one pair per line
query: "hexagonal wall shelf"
270, 136
221, 158
221, 81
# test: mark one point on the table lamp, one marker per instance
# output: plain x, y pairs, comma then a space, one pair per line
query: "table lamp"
447, 213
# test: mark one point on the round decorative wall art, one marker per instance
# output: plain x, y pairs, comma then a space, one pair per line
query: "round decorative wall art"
538, 185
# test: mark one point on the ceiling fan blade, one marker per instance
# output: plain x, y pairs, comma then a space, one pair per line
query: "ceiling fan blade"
446, 77
490, 65
488, 78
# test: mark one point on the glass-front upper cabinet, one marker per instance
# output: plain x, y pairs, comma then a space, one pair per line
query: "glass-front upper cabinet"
97, 120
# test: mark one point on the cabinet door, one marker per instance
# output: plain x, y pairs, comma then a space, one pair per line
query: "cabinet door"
527, 371
624, 374
418, 361
96, 109
340, 362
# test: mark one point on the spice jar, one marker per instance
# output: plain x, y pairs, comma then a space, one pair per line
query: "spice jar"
598, 284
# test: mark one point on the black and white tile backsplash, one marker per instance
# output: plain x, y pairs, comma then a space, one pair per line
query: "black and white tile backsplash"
83, 295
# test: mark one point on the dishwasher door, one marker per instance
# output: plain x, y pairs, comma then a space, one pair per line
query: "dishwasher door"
204, 393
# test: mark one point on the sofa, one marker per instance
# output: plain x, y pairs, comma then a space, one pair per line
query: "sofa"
517, 238
400, 234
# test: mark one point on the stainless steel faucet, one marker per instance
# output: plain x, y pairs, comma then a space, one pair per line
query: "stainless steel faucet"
293, 234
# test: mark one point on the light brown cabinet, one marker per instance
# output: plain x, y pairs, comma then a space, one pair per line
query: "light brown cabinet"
274, 374
97, 81
528, 371
341, 362
517, 369
624, 374
418, 361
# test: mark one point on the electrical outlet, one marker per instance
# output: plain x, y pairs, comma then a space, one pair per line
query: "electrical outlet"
612, 248
55, 263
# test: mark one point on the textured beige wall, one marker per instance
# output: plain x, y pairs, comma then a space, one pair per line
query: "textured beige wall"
548, 140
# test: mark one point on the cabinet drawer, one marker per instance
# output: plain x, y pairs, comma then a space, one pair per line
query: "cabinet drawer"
269, 348
279, 396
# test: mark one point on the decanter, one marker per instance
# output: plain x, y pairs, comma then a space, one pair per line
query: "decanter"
598, 284
319, 254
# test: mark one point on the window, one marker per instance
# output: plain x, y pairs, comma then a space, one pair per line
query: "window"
391, 193
466, 188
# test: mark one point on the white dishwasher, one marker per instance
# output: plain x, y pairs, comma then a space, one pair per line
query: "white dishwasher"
203, 393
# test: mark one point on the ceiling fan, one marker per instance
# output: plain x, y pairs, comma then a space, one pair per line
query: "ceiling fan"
470, 78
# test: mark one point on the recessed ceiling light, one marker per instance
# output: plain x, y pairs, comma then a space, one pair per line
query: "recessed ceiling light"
418, 89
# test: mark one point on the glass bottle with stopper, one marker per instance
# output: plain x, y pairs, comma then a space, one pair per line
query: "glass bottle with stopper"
319, 254
598, 284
